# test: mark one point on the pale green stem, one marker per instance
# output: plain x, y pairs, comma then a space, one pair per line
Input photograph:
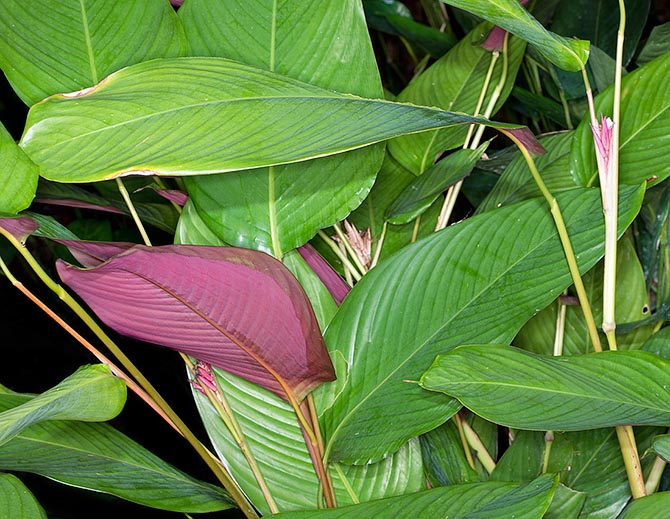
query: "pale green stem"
347, 485
352, 253
348, 266
476, 443
464, 441
133, 212
415, 230
654, 477
548, 442
567, 246
212, 462
378, 248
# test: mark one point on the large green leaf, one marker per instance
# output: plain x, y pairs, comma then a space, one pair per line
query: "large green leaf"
279, 208
97, 457
645, 128
220, 116
90, 394
18, 175
444, 458
566, 53
655, 506
527, 391
49, 47
477, 281
471, 501
275, 439
17, 501
454, 82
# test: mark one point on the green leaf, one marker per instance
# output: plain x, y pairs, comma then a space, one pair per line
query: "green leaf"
566, 53
201, 124
275, 439
657, 44
661, 446
18, 175
461, 75
483, 279
471, 501
443, 457
49, 47
279, 208
422, 192
90, 394
645, 128
655, 506
518, 389
567, 504
17, 501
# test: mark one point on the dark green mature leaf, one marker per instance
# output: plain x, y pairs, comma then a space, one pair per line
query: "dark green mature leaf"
569, 54
443, 457
91, 394
202, 123
461, 75
279, 208
567, 504
522, 390
598, 22
49, 47
17, 501
655, 506
471, 501
483, 278
657, 44
645, 128
97, 457
18, 175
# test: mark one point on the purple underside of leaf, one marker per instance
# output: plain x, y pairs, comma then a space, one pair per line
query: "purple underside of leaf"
173, 195
331, 279
239, 310
524, 137
20, 227
93, 253
79, 205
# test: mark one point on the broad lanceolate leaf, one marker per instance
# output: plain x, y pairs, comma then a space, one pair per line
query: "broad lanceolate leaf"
655, 506
568, 54
483, 277
50, 47
645, 128
526, 391
91, 394
97, 457
279, 208
220, 116
237, 309
471, 501
17, 501
18, 175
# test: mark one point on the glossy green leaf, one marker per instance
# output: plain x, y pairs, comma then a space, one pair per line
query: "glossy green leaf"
655, 506
444, 458
97, 457
522, 461
461, 75
18, 175
567, 504
49, 47
661, 446
516, 183
16, 501
657, 44
484, 278
518, 389
472, 501
422, 192
659, 343
202, 124
275, 439
566, 53
278, 209
645, 128
90, 394
598, 22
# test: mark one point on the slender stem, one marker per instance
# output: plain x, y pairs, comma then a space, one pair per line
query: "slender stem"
654, 477
548, 442
415, 230
476, 443
631, 460
464, 441
347, 245
347, 485
378, 248
133, 212
348, 266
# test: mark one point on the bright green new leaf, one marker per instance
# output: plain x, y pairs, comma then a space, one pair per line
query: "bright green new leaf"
470, 501
655, 506
16, 501
518, 389
220, 116
645, 128
18, 175
422, 192
279, 208
90, 394
566, 53
482, 278
97, 457
49, 47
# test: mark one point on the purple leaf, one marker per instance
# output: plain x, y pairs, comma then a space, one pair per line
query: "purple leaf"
93, 253
20, 227
496, 38
524, 138
78, 204
237, 309
331, 279
173, 195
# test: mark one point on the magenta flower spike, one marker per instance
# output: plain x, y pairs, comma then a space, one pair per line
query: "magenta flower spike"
602, 136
